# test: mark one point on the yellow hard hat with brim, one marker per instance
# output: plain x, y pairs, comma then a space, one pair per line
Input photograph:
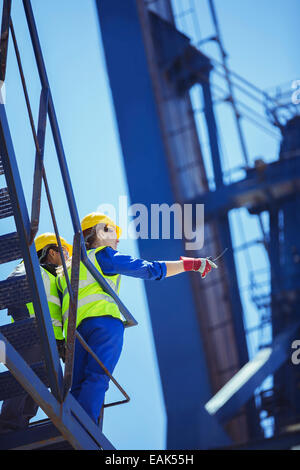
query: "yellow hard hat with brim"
50, 239
95, 218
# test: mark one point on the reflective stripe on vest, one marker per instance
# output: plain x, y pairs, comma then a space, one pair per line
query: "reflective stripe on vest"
91, 280
89, 299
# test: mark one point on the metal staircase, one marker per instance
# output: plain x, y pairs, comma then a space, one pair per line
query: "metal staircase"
68, 426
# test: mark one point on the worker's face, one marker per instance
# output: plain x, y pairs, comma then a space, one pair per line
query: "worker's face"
107, 235
54, 257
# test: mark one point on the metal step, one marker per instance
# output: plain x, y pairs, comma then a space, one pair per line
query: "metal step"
10, 387
14, 291
21, 334
5, 204
10, 247
39, 436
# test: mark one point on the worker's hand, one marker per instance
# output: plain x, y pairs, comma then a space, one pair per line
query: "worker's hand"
202, 265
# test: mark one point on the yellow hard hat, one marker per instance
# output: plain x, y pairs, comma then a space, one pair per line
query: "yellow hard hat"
50, 239
95, 218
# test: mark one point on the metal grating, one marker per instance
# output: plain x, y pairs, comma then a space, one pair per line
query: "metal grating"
14, 291
10, 387
1, 166
9, 248
5, 204
21, 334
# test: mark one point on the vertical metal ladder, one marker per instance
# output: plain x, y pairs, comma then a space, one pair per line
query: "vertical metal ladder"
68, 426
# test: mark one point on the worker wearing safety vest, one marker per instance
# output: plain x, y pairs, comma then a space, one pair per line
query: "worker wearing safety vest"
17, 411
99, 320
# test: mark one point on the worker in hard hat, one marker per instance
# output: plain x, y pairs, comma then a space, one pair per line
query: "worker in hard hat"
17, 411
99, 320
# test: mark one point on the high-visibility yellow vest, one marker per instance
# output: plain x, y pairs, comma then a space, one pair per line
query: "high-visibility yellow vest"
54, 303
92, 300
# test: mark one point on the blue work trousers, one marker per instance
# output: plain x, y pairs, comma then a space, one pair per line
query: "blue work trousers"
104, 335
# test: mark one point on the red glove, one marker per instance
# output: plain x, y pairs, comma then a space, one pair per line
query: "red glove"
202, 265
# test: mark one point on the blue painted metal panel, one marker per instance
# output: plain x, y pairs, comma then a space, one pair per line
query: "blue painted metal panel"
182, 363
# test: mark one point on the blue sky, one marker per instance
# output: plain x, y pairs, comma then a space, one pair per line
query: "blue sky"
261, 39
